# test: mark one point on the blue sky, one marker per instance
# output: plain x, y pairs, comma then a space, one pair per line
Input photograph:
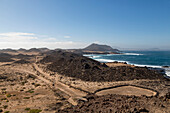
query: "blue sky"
124, 24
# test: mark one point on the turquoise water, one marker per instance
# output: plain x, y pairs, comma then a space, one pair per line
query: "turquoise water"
139, 58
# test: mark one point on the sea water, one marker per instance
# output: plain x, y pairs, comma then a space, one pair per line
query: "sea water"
155, 59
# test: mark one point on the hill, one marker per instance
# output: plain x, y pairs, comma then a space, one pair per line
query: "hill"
86, 69
97, 47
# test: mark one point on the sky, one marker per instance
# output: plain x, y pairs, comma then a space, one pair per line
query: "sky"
122, 24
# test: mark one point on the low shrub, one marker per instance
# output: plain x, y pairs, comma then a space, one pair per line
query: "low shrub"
6, 112
5, 106
3, 89
30, 91
35, 111
27, 109
26, 97
8, 95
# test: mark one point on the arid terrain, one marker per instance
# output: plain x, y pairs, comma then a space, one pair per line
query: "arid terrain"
59, 81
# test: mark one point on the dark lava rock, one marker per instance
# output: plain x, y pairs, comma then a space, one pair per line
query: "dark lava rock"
74, 65
22, 56
119, 104
4, 57
143, 110
3, 77
21, 62
165, 66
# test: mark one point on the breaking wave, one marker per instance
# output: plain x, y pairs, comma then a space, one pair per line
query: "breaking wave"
109, 60
131, 54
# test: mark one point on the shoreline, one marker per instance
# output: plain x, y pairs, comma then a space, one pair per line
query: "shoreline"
159, 68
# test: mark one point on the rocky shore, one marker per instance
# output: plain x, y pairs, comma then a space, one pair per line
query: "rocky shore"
74, 65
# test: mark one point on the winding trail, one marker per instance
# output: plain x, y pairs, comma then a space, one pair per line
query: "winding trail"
54, 83
73, 93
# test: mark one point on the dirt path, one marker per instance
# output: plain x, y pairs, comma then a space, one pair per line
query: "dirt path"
39, 77
5, 63
53, 83
73, 93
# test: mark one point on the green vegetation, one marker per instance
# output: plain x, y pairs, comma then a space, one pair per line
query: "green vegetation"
35, 111
3, 89
27, 109
23, 83
6, 112
5, 106
26, 97
8, 95
4, 99
30, 91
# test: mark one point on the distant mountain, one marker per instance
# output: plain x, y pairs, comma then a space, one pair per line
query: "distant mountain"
97, 47
33, 50
91, 49
8, 50
22, 50
44, 49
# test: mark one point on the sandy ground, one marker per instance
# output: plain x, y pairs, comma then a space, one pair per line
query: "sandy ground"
23, 89
42, 87
127, 90
24, 53
111, 64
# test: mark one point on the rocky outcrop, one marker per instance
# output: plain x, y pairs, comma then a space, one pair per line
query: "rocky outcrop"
86, 69
121, 104
4, 57
21, 62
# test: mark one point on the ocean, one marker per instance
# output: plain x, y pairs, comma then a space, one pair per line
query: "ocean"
154, 59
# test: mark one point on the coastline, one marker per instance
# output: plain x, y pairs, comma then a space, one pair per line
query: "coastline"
112, 62
41, 77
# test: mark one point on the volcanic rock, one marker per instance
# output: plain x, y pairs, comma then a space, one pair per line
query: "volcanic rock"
78, 66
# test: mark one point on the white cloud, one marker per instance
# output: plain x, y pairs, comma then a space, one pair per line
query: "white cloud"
30, 40
39, 44
17, 36
67, 36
